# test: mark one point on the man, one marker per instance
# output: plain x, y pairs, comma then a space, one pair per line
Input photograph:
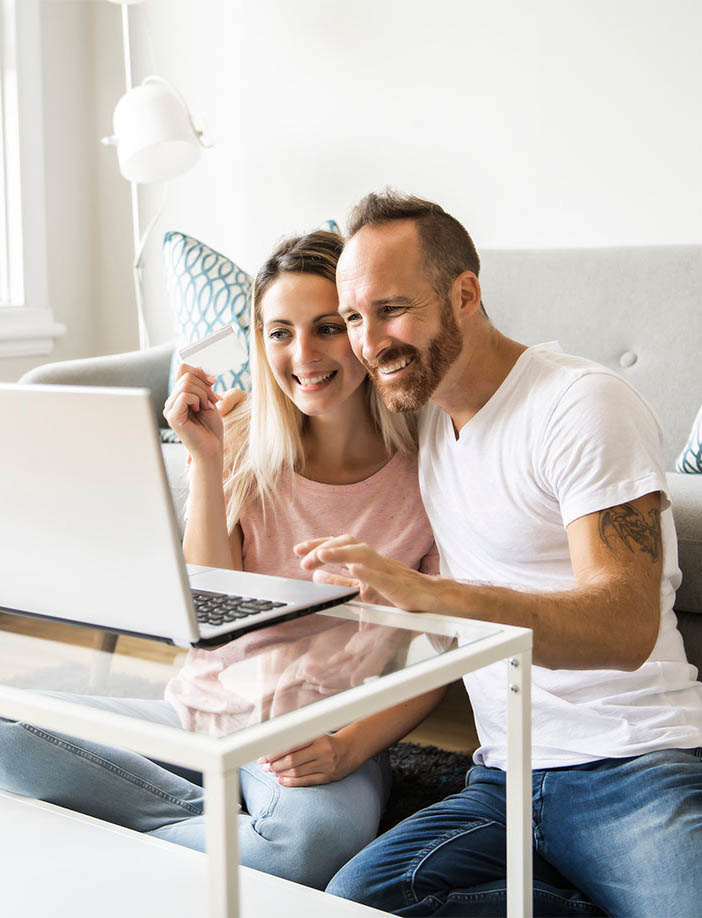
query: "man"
543, 481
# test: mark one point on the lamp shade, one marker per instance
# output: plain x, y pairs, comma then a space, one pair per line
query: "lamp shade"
154, 133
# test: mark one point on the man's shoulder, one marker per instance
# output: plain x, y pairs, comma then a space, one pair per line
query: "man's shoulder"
568, 379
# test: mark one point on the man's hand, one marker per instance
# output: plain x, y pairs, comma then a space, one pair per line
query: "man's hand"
320, 762
397, 584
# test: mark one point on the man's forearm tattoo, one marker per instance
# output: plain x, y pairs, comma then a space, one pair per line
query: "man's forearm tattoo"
633, 528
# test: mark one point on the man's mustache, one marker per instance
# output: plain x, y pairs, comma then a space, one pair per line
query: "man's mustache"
388, 357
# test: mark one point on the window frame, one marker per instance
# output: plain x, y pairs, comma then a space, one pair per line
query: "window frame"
27, 326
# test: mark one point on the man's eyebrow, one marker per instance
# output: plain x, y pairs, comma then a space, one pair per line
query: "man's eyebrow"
393, 301
385, 301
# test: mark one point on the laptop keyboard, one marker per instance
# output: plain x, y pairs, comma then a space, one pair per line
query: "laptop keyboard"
221, 608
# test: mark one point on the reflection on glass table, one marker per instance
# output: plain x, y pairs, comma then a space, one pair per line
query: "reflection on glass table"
263, 693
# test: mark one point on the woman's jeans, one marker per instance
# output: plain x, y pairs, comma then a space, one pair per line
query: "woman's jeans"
625, 834
304, 834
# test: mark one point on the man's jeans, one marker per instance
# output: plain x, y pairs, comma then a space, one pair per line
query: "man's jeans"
300, 833
625, 834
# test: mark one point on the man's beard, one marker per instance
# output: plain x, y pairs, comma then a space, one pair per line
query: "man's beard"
427, 369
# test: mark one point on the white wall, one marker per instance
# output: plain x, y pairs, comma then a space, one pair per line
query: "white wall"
537, 124
546, 123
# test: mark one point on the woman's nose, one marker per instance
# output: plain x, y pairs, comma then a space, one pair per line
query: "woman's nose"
306, 350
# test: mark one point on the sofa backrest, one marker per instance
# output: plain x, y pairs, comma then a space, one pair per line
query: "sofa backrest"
637, 310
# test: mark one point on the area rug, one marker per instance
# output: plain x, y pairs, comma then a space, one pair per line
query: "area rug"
421, 775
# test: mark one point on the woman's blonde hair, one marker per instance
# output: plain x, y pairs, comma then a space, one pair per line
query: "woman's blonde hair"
263, 436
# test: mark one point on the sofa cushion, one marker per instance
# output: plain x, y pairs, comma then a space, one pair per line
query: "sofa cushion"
690, 459
685, 492
206, 291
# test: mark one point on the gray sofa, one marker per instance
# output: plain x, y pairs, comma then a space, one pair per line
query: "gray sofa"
637, 310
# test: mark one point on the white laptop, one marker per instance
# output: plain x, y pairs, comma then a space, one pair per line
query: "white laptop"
88, 532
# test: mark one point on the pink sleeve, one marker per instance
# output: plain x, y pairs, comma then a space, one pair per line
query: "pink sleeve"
430, 562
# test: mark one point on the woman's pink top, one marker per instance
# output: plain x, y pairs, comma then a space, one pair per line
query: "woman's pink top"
385, 510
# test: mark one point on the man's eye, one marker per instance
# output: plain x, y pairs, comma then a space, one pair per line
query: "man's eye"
353, 319
391, 310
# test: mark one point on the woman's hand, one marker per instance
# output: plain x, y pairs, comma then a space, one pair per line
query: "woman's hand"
230, 400
322, 761
191, 411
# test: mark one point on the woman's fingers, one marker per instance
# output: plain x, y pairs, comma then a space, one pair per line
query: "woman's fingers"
194, 381
229, 400
292, 759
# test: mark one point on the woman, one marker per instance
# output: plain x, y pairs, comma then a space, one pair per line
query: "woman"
312, 447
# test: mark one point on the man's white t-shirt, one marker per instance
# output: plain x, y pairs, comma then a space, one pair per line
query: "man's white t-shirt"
562, 437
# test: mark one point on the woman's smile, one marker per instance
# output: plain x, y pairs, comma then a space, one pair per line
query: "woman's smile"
314, 383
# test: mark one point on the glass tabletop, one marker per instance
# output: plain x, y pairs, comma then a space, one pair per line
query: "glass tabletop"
220, 691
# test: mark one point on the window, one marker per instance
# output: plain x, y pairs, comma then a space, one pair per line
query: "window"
27, 326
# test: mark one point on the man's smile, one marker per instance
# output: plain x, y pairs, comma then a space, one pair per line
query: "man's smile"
387, 369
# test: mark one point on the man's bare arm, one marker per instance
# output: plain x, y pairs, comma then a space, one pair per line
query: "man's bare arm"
609, 620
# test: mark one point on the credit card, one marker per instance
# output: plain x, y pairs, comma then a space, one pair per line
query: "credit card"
216, 353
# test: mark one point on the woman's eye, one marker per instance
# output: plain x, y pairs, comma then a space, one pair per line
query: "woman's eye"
278, 334
331, 329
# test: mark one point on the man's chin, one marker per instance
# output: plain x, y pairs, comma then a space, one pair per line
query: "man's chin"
403, 399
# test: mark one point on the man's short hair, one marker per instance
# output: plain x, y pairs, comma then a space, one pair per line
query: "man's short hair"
446, 245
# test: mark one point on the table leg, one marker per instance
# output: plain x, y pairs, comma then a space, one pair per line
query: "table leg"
519, 832
222, 835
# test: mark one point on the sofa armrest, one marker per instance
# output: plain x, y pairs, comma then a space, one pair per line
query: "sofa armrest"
146, 369
685, 492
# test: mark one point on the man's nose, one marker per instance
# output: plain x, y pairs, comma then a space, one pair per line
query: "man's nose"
374, 341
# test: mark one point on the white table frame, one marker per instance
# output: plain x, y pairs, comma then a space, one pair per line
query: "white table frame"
219, 758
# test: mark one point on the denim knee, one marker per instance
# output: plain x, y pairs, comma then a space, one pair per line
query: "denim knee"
18, 750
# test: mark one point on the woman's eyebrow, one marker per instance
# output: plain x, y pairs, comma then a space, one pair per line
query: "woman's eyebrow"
325, 315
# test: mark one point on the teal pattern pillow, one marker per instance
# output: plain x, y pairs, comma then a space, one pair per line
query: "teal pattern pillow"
206, 291
331, 226
690, 459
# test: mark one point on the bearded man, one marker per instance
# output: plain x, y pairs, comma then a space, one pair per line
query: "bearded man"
543, 479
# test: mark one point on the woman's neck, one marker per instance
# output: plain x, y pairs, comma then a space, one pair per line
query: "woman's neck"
343, 447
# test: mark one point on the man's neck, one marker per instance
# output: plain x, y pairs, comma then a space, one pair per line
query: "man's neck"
486, 360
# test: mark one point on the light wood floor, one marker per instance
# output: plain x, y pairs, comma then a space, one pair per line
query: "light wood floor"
450, 726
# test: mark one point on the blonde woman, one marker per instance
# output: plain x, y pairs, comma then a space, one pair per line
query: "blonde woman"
311, 446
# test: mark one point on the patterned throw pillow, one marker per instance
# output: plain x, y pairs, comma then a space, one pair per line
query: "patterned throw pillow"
690, 459
206, 291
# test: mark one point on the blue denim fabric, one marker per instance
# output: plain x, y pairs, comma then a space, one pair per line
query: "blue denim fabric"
301, 833
615, 837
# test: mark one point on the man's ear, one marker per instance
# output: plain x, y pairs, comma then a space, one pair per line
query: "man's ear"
466, 294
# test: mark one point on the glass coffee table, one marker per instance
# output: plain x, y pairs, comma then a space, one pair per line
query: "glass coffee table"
277, 688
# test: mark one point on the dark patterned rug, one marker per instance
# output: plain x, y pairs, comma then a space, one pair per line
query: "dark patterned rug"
421, 775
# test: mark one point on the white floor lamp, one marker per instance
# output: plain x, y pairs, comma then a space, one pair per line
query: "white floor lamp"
156, 140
